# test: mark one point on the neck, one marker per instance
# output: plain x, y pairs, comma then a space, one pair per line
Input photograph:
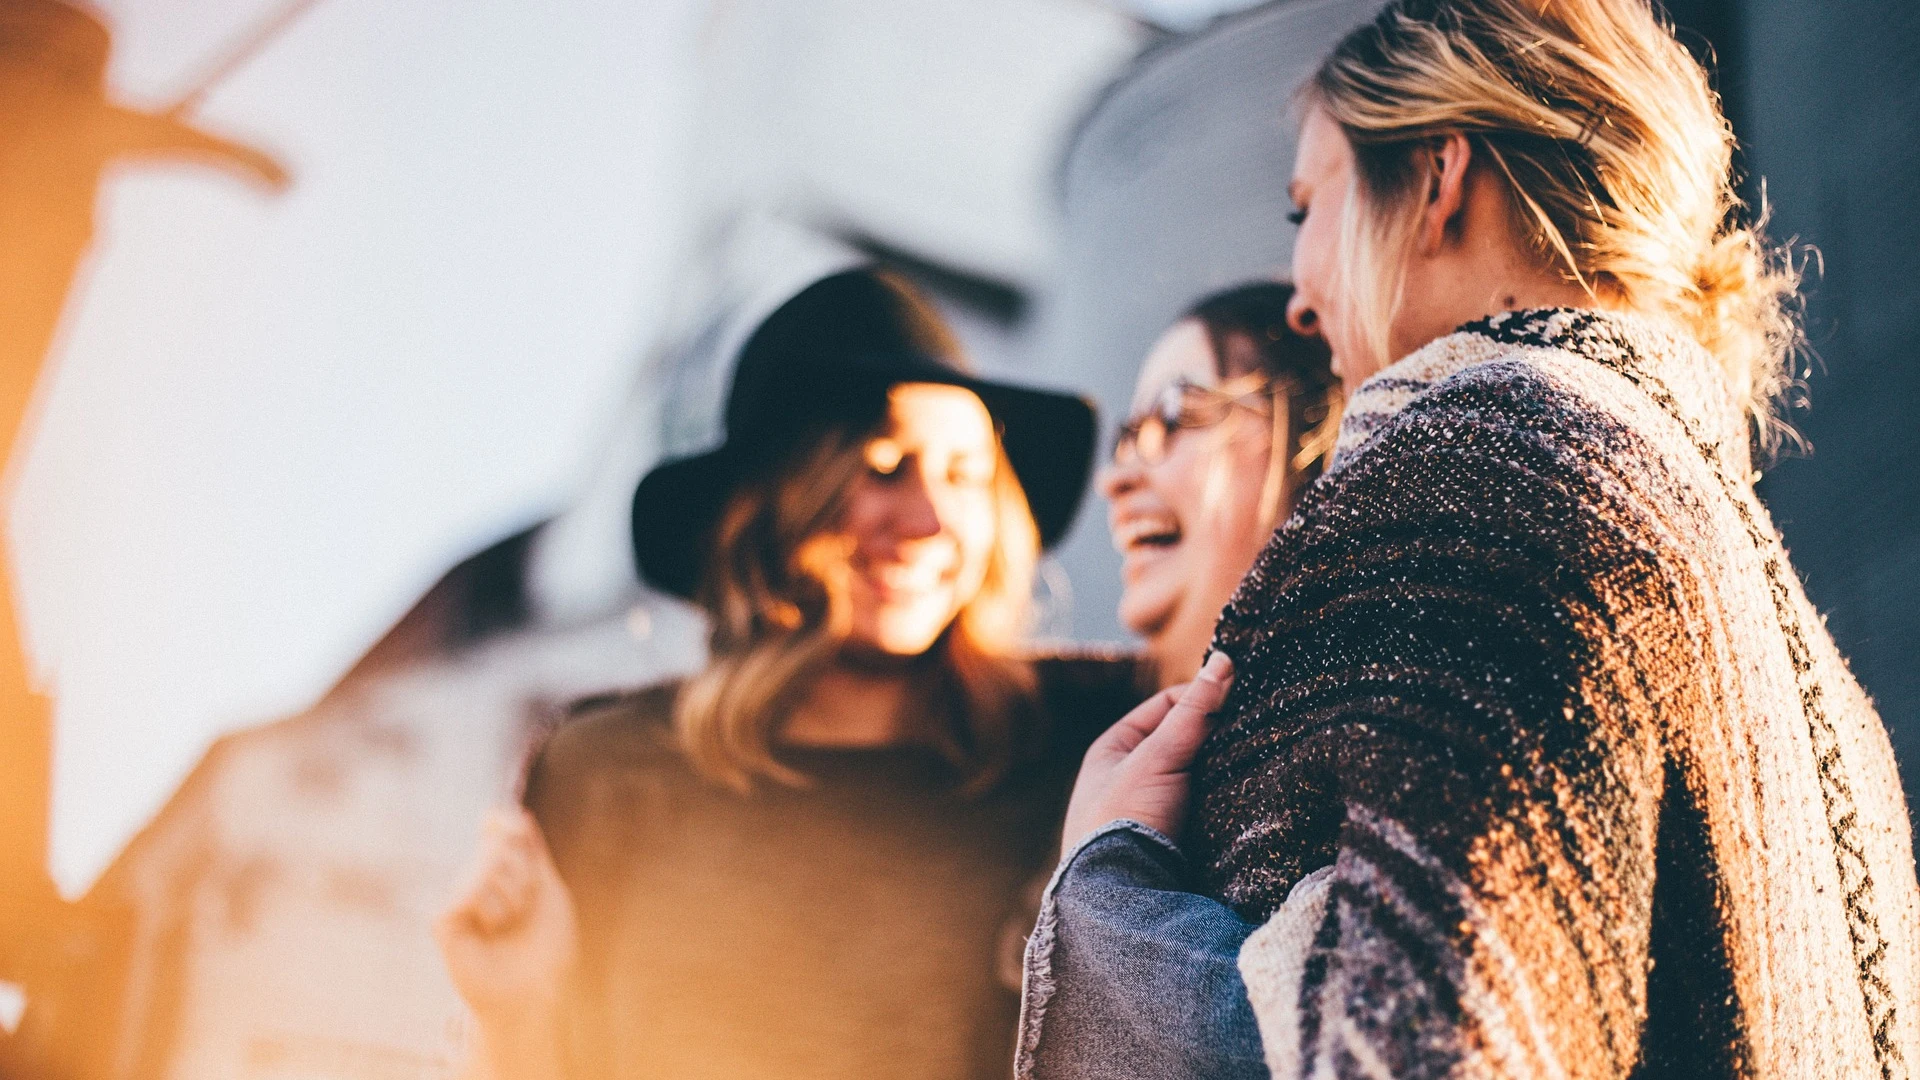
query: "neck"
1174, 662
1477, 296
854, 707
1477, 267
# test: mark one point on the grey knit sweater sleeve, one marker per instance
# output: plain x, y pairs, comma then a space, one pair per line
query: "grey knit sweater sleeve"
1493, 687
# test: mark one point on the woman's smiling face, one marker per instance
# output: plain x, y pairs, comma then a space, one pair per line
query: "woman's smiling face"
920, 521
1188, 525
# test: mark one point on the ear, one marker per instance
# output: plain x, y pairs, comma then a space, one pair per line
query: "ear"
1447, 159
1301, 318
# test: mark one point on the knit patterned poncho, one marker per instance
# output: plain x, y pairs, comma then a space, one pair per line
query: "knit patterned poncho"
1538, 762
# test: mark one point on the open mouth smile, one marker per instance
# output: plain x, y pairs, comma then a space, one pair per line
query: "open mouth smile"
1151, 531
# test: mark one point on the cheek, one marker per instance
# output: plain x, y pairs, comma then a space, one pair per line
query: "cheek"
1313, 262
1181, 482
975, 533
1189, 483
862, 511
1227, 494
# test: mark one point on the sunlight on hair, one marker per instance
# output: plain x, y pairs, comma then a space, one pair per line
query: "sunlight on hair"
1615, 151
777, 596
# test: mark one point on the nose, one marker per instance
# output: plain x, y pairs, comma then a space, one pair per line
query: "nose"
1301, 318
1116, 478
916, 515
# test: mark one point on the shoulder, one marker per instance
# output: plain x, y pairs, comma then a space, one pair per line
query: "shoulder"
1542, 396
1503, 447
1521, 441
1545, 448
602, 737
603, 777
1592, 384
1543, 471
1500, 469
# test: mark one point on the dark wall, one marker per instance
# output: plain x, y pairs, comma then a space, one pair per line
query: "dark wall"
1826, 97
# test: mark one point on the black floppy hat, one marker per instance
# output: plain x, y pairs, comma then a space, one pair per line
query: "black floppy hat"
825, 360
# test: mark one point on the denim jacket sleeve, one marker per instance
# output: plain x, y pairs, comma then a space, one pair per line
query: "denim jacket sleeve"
1127, 974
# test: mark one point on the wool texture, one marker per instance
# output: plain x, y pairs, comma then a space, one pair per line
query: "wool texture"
1529, 677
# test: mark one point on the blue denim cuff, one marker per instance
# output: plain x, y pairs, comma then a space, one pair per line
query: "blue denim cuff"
1128, 974
1151, 855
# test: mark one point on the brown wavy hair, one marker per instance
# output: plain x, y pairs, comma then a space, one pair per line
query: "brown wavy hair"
1247, 330
775, 592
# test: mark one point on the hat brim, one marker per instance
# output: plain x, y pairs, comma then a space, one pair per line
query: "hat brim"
1048, 438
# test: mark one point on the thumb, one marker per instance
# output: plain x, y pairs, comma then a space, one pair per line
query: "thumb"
1170, 747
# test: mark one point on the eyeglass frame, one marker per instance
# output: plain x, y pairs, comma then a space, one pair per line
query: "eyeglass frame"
1316, 441
1171, 414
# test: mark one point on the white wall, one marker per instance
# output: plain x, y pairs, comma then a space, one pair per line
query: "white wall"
272, 422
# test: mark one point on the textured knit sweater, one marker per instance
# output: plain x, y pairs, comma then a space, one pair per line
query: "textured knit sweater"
1538, 762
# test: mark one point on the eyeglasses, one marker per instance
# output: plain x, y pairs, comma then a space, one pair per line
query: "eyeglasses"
1181, 405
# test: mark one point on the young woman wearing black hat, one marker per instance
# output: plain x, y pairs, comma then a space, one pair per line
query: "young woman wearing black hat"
813, 857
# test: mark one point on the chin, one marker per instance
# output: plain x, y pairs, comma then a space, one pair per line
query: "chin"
1144, 617
905, 636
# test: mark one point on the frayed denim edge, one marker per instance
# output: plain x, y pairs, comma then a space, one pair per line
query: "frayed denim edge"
1036, 976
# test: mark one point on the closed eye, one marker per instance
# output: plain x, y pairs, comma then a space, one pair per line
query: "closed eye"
1297, 217
884, 457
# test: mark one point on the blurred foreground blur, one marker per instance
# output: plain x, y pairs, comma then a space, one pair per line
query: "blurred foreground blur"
1063, 176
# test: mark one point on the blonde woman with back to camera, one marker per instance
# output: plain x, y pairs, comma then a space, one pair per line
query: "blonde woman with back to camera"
1522, 752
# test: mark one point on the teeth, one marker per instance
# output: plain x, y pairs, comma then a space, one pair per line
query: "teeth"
914, 578
1145, 530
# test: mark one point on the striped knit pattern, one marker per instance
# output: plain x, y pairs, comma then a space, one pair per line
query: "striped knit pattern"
1529, 681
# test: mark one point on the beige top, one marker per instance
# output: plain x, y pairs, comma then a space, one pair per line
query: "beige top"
867, 926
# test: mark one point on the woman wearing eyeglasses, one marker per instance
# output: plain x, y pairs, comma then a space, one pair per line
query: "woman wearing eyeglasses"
1232, 418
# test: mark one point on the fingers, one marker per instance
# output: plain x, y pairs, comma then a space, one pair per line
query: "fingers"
1130, 730
1171, 745
1138, 769
1208, 690
504, 880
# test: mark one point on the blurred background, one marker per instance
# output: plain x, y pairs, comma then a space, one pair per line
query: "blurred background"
337, 333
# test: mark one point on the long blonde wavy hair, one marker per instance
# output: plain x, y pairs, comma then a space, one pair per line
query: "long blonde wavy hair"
1613, 147
775, 592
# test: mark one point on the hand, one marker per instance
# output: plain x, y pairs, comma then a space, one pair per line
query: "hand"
1138, 769
509, 936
